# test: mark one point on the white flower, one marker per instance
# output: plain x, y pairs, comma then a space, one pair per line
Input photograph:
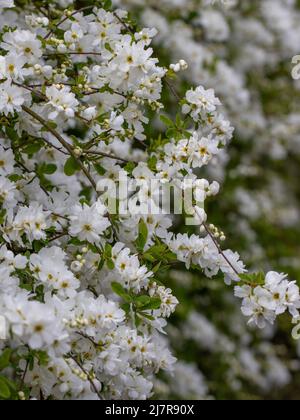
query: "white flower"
31, 221
11, 98
6, 3
12, 67
168, 301
131, 274
7, 192
199, 101
74, 34
146, 35
201, 150
89, 223
89, 113
273, 298
62, 100
7, 161
49, 267
23, 42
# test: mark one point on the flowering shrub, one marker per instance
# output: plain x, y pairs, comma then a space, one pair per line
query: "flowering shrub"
248, 52
89, 148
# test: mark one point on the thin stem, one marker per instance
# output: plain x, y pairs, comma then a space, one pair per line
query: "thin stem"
62, 142
128, 28
88, 338
71, 152
220, 250
58, 236
83, 9
24, 375
30, 89
109, 156
88, 377
172, 89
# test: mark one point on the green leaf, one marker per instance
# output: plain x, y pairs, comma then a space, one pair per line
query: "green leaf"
2, 216
49, 169
156, 252
5, 358
171, 133
253, 278
38, 245
167, 121
156, 268
12, 134
14, 178
110, 264
143, 236
4, 389
179, 121
126, 308
119, 290
32, 149
129, 167
151, 318
71, 166
107, 5
152, 163
142, 301
99, 169
52, 124
154, 303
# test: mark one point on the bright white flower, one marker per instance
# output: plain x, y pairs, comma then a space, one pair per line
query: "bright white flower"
89, 223
23, 42
266, 302
12, 67
7, 192
7, 161
75, 33
200, 101
62, 100
146, 35
11, 98
132, 275
33, 221
201, 150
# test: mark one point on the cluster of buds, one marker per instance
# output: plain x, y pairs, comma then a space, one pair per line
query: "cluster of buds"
180, 66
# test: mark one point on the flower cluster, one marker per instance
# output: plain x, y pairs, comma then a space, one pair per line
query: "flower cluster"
80, 291
265, 303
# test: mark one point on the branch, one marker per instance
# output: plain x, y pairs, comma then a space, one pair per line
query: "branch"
110, 156
83, 9
69, 148
220, 250
63, 142
88, 376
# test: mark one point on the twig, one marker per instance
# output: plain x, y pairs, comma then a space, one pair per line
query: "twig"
172, 89
24, 375
88, 338
110, 156
62, 142
83, 9
128, 28
88, 377
71, 152
36, 92
58, 236
220, 250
